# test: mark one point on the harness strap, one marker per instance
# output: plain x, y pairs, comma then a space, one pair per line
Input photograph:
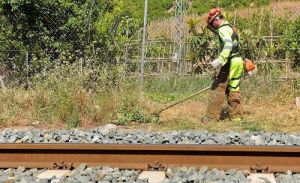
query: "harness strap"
232, 79
225, 25
233, 56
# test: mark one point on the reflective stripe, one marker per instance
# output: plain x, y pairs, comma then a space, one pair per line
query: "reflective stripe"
227, 47
227, 40
233, 55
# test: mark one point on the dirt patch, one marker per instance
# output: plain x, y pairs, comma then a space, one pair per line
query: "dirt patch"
257, 117
191, 110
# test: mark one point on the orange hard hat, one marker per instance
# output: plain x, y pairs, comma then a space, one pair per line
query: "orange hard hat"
249, 65
213, 13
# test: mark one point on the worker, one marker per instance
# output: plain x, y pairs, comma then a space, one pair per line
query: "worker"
230, 68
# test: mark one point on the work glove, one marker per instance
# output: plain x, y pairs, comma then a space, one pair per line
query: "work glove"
216, 63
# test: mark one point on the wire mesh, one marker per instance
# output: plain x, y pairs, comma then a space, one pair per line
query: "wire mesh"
53, 35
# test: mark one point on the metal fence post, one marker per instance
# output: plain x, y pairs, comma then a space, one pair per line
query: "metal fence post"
2, 83
144, 43
27, 68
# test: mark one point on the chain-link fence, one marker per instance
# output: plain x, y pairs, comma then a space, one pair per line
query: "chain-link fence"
37, 36
262, 40
34, 33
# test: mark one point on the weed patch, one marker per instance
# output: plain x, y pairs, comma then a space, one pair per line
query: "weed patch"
124, 117
251, 126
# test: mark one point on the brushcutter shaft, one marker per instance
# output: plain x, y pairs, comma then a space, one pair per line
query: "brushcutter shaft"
178, 102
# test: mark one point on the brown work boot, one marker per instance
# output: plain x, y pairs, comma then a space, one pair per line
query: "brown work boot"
206, 119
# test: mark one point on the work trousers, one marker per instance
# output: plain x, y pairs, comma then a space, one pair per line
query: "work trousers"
220, 90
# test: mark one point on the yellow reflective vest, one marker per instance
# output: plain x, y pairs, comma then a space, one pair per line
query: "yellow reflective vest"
229, 52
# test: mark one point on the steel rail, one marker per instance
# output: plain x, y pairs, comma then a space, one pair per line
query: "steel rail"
254, 158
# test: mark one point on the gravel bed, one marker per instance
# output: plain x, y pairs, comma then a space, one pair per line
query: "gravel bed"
192, 175
204, 175
111, 134
84, 174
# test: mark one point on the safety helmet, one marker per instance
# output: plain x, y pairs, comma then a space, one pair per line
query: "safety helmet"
213, 13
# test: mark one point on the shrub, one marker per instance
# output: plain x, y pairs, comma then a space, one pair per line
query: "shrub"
292, 41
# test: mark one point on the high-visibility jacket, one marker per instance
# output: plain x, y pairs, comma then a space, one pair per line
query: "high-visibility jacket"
229, 52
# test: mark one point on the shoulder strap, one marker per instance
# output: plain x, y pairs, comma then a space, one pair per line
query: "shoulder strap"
225, 25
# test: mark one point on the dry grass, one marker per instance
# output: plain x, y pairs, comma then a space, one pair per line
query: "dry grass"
288, 9
268, 106
165, 28
259, 115
62, 103
27, 108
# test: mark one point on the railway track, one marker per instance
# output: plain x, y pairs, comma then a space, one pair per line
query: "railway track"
265, 159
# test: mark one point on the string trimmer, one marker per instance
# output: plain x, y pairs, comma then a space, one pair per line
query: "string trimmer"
157, 113
216, 73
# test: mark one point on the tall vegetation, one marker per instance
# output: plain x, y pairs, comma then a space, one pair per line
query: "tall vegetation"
257, 40
52, 32
292, 41
57, 31
75, 50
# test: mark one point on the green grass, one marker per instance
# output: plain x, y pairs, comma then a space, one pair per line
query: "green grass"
166, 89
156, 9
252, 126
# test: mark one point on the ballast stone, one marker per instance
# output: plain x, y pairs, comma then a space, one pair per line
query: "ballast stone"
152, 176
48, 174
107, 174
261, 178
111, 134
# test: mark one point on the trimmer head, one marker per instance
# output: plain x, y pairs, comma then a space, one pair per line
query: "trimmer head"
155, 116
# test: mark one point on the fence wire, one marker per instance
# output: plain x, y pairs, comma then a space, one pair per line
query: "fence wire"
54, 35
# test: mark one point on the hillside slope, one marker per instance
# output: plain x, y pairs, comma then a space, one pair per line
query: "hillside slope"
288, 9
165, 8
